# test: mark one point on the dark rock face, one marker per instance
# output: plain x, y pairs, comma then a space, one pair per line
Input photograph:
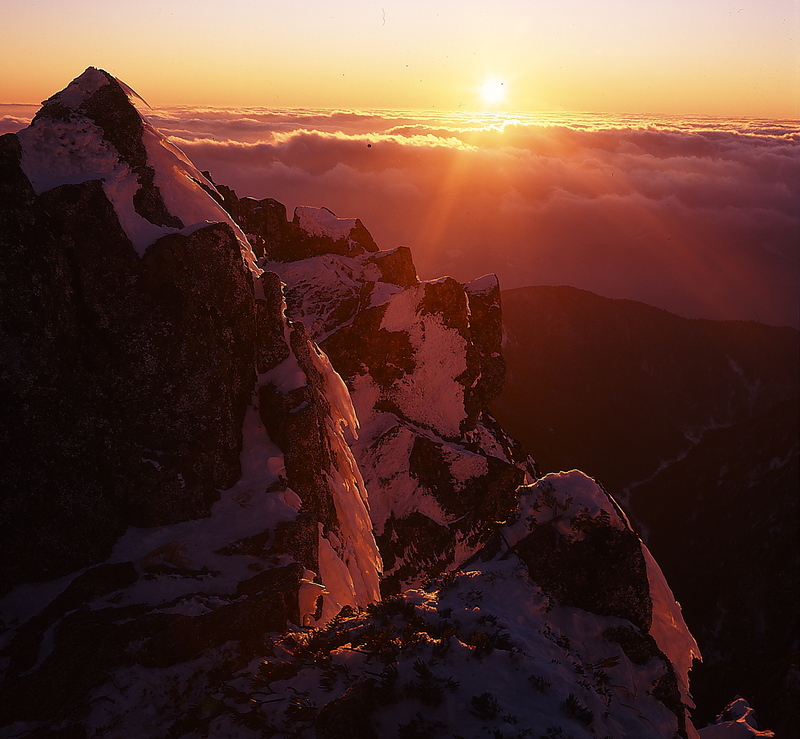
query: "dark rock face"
486, 322
263, 220
603, 573
271, 347
88, 643
397, 266
127, 377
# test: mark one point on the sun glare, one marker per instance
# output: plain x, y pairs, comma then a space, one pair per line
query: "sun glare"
493, 91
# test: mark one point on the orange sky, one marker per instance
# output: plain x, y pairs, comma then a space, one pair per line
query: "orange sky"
713, 57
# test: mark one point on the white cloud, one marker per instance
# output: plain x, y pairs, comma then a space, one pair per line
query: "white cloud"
701, 217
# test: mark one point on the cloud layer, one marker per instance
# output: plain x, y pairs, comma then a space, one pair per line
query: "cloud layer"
699, 216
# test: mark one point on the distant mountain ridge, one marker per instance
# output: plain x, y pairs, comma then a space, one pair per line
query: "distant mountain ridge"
616, 387
724, 524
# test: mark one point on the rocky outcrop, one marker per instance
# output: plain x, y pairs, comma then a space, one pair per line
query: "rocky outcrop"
193, 514
421, 361
578, 546
142, 363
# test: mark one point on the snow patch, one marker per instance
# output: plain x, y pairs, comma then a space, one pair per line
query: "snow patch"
384, 456
307, 597
336, 577
179, 180
401, 311
464, 465
337, 394
358, 545
431, 395
323, 222
286, 376
383, 292
317, 286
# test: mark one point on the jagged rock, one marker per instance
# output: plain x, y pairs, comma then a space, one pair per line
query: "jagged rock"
603, 573
486, 322
311, 232
296, 422
396, 266
421, 361
564, 525
131, 357
305, 408
201, 431
271, 347
577, 545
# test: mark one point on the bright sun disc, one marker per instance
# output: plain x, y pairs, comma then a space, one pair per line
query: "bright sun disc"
493, 91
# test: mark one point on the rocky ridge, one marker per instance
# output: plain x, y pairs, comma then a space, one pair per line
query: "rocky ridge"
196, 530
421, 361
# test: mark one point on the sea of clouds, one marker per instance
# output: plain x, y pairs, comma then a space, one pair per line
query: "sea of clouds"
700, 216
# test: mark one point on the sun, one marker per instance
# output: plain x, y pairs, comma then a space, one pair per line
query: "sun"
493, 91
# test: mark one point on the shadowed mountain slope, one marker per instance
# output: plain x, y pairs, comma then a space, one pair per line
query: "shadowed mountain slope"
617, 387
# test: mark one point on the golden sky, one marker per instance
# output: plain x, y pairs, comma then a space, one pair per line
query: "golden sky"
707, 57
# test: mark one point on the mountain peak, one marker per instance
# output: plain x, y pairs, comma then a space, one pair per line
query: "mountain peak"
79, 90
91, 130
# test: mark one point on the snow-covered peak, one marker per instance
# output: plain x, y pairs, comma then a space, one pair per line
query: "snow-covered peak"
737, 721
91, 130
82, 87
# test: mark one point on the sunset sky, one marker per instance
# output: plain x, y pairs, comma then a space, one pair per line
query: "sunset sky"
679, 184
711, 57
